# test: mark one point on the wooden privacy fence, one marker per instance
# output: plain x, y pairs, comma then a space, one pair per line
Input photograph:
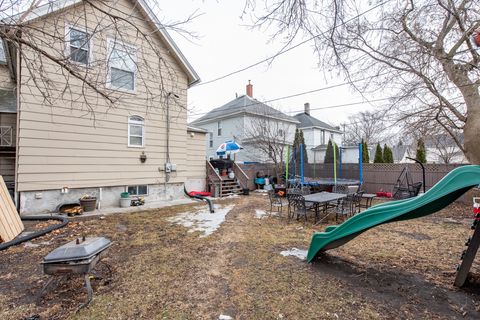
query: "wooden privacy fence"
10, 223
376, 176
383, 176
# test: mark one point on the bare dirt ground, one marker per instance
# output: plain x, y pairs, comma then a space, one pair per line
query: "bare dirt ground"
156, 269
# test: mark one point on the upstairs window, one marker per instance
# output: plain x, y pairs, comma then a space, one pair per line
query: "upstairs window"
78, 45
122, 66
136, 131
3, 52
219, 128
210, 141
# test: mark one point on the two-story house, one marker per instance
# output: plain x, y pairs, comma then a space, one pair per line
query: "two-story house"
259, 128
316, 134
93, 99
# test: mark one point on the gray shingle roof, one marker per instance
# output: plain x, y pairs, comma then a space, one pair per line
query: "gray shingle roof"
307, 120
243, 104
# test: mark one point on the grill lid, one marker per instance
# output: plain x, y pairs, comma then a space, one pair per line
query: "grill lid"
78, 249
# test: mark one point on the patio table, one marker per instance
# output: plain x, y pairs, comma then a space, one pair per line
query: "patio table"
368, 200
323, 198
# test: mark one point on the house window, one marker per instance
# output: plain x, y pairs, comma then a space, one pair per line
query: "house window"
210, 141
6, 136
78, 45
219, 128
140, 190
136, 131
122, 66
323, 136
281, 133
3, 54
331, 136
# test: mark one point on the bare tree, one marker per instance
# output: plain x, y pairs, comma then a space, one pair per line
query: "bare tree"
268, 137
67, 62
444, 148
367, 125
421, 53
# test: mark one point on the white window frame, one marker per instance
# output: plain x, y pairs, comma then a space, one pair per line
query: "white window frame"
219, 128
68, 27
136, 187
3, 49
136, 122
9, 129
110, 45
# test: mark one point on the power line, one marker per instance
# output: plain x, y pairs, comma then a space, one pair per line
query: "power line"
296, 95
289, 49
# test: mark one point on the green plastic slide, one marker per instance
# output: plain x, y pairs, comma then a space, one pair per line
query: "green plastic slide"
446, 191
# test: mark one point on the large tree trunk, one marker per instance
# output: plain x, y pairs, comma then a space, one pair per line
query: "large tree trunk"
471, 130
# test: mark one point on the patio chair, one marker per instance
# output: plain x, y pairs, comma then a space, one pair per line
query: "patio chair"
291, 198
357, 201
305, 191
345, 207
299, 206
275, 201
340, 188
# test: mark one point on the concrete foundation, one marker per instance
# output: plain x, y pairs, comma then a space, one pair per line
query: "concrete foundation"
45, 201
196, 185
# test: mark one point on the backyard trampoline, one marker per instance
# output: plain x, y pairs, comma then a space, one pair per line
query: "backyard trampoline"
323, 182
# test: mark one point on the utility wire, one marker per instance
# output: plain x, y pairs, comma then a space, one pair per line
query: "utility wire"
290, 48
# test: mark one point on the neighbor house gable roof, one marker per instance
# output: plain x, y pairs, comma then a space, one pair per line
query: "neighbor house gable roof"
243, 105
307, 121
55, 6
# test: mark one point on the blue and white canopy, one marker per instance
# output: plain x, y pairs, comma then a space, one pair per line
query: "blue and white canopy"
228, 147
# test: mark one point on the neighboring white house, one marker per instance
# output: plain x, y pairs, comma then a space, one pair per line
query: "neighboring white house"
316, 134
439, 148
244, 119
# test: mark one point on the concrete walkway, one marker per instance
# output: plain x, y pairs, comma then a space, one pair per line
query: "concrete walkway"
118, 210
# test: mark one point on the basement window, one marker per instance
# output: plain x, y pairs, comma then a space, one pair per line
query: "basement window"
139, 190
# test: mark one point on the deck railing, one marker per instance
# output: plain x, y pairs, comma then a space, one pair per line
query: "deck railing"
214, 179
241, 176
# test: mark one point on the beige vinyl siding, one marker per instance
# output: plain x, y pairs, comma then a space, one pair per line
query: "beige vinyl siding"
196, 156
63, 143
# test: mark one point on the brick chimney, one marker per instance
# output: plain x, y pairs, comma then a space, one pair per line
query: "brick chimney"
250, 89
307, 108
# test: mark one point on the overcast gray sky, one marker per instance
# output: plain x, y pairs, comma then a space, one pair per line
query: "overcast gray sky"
226, 44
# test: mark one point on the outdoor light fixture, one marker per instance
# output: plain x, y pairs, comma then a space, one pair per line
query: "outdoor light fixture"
143, 157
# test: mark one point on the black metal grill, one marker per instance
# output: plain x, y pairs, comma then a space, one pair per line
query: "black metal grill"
76, 257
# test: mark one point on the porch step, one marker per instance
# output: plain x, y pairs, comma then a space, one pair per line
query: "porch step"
230, 187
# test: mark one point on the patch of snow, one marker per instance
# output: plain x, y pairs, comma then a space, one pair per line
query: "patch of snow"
300, 254
202, 220
259, 213
224, 317
30, 245
261, 191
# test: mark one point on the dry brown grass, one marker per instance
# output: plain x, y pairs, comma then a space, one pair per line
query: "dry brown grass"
159, 270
